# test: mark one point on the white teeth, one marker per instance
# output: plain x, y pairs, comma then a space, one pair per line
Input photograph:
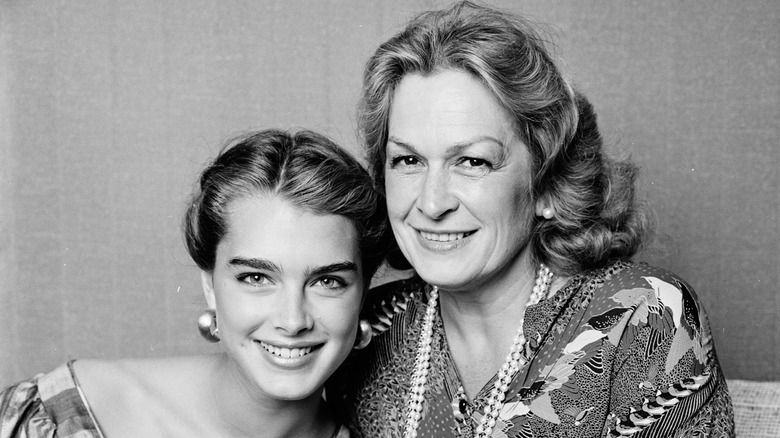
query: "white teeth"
443, 237
286, 353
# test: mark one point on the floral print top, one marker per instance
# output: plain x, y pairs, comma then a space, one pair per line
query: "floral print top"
621, 351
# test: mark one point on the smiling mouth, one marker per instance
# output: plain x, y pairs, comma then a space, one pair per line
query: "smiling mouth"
287, 353
445, 237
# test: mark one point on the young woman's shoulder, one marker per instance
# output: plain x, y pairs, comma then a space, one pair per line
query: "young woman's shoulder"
132, 396
141, 377
119, 384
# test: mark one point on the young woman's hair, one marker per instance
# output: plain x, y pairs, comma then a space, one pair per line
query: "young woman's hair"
304, 168
596, 220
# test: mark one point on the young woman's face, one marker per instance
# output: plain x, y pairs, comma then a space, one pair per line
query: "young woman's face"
457, 180
287, 287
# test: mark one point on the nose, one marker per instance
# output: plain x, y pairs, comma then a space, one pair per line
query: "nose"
436, 198
292, 315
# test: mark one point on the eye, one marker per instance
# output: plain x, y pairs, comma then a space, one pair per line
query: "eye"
406, 164
475, 162
404, 161
330, 282
254, 279
474, 167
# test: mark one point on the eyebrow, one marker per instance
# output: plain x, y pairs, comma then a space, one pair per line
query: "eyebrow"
334, 267
454, 149
268, 265
263, 264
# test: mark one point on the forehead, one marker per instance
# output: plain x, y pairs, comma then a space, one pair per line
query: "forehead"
447, 104
271, 227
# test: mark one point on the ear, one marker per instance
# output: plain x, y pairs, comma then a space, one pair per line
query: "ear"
207, 282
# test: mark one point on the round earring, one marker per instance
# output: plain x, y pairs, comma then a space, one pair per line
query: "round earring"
207, 325
548, 213
364, 335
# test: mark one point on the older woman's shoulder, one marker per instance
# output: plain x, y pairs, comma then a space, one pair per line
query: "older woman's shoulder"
628, 269
624, 277
645, 290
659, 334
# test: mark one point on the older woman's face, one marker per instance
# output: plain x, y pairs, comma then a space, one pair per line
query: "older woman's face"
457, 181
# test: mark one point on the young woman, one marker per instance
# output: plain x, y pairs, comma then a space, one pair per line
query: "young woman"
287, 231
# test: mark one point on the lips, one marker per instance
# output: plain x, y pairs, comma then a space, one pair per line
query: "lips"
444, 237
287, 353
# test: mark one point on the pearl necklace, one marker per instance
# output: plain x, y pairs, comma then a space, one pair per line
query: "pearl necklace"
514, 361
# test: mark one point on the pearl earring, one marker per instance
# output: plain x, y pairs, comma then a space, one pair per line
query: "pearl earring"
548, 213
364, 335
207, 325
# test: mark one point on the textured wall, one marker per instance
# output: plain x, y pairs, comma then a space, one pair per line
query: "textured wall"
108, 109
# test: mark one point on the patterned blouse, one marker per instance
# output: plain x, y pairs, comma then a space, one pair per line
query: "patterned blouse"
622, 351
48, 405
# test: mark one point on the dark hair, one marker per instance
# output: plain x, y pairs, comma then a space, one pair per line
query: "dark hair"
596, 219
304, 168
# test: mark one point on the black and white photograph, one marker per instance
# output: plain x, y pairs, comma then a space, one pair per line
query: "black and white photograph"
348, 219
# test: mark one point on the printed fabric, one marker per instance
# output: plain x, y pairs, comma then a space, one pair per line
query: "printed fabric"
48, 405
621, 351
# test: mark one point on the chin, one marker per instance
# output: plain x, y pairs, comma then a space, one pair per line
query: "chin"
293, 394
291, 389
445, 277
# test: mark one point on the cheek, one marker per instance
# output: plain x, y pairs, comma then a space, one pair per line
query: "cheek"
237, 312
399, 193
339, 316
516, 215
510, 200
341, 328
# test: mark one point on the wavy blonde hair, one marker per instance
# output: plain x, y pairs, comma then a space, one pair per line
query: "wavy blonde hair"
596, 220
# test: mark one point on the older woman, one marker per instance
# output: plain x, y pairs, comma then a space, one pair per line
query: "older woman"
525, 317
287, 232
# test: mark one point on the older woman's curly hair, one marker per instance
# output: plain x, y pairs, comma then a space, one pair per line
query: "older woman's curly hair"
596, 219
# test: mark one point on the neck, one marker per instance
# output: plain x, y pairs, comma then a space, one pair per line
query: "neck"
497, 302
482, 323
244, 411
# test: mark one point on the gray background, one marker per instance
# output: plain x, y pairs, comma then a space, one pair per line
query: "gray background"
108, 109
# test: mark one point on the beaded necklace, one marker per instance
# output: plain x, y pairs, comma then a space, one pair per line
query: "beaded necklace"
514, 361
